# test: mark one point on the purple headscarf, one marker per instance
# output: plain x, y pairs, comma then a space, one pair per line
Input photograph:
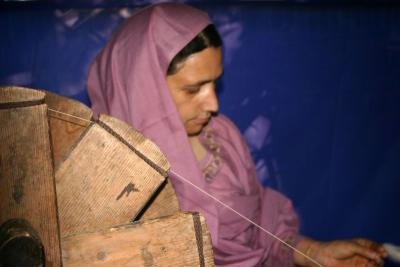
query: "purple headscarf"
128, 80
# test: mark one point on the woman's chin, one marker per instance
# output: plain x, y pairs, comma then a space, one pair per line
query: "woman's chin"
194, 131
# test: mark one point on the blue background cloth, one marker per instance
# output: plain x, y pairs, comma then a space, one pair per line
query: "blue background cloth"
313, 85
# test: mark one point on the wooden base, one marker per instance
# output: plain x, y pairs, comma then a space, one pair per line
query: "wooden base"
180, 240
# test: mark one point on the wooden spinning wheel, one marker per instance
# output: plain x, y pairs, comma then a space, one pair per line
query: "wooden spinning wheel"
90, 192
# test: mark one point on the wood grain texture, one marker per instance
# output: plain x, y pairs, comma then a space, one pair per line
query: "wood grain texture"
27, 189
102, 183
138, 141
167, 241
15, 94
65, 129
164, 203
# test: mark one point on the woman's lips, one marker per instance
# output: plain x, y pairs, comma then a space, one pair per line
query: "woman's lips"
202, 120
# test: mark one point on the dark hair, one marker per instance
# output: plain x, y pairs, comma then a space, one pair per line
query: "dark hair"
209, 37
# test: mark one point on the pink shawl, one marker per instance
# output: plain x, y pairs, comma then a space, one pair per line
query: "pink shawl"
128, 80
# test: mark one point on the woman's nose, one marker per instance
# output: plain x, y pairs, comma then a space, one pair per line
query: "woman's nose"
210, 103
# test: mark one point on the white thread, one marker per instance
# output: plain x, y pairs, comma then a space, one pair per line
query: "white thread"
247, 219
70, 115
219, 201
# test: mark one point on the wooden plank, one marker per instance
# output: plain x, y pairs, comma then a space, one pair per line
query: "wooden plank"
165, 201
27, 189
103, 182
68, 121
137, 141
20, 96
178, 240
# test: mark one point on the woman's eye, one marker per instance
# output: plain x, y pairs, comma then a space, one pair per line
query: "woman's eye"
192, 89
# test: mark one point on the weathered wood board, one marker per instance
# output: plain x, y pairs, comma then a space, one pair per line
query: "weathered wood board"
179, 240
164, 202
68, 120
106, 179
106, 174
27, 189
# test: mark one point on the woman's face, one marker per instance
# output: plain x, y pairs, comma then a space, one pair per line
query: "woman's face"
192, 88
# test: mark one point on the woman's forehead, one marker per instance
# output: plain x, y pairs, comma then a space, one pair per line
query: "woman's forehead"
205, 65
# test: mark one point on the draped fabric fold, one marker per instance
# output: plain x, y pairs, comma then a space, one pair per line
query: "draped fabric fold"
128, 80
235, 184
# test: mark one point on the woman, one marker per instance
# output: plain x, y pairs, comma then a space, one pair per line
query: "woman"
158, 73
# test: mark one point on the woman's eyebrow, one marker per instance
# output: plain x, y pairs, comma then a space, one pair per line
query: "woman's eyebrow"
200, 83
